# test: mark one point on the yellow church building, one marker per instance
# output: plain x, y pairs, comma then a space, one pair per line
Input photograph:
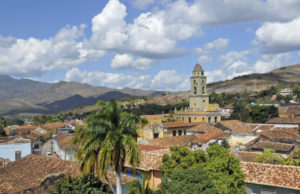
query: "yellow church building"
199, 109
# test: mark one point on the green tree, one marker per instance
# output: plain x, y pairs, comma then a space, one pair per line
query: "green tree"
189, 181
261, 114
220, 166
87, 184
107, 140
240, 112
269, 157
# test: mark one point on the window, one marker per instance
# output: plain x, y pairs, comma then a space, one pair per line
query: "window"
174, 132
216, 119
195, 90
209, 119
17, 155
203, 90
184, 132
190, 120
179, 132
194, 81
129, 172
155, 135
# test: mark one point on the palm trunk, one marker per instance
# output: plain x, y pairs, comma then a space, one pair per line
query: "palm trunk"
119, 184
110, 185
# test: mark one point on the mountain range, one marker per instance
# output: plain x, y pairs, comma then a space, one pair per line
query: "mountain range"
28, 96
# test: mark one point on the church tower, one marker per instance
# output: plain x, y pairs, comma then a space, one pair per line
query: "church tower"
198, 98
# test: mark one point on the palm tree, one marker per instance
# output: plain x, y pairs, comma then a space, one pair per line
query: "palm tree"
107, 140
135, 187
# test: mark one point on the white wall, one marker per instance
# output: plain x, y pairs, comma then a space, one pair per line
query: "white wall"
62, 153
7, 151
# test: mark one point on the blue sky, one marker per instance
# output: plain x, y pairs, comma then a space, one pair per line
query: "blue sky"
146, 44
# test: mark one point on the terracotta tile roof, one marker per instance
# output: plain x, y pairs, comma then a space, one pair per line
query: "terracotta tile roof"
234, 126
282, 133
284, 120
203, 128
178, 125
273, 145
53, 126
24, 129
228, 106
150, 147
294, 110
64, 141
271, 175
187, 140
150, 160
245, 155
30, 171
13, 139
173, 141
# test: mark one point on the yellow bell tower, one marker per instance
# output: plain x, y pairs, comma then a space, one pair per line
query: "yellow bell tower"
198, 98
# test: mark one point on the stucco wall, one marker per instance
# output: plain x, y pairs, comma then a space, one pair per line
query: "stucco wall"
257, 189
8, 151
62, 153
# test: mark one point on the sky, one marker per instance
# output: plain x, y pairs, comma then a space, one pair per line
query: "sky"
146, 44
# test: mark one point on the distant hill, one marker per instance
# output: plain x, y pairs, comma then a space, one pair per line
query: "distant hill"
251, 82
27, 96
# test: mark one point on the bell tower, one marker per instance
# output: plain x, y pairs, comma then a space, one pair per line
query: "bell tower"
198, 98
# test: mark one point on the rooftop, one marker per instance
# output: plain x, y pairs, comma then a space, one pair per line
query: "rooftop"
245, 156
64, 141
52, 126
198, 68
187, 140
271, 175
13, 139
203, 128
31, 170
234, 126
284, 120
228, 106
178, 125
150, 160
282, 133
273, 145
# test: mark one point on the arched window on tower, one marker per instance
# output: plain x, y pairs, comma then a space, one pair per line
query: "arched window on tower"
202, 73
194, 81
203, 92
195, 90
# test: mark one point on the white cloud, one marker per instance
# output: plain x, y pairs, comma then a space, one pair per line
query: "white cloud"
219, 44
232, 11
272, 61
109, 26
279, 37
204, 59
121, 61
168, 80
141, 4
207, 51
33, 57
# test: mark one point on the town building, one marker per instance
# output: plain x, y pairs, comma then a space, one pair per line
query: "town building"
271, 179
62, 148
14, 148
286, 91
199, 109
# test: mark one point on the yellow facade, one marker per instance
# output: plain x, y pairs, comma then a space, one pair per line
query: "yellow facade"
199, 109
